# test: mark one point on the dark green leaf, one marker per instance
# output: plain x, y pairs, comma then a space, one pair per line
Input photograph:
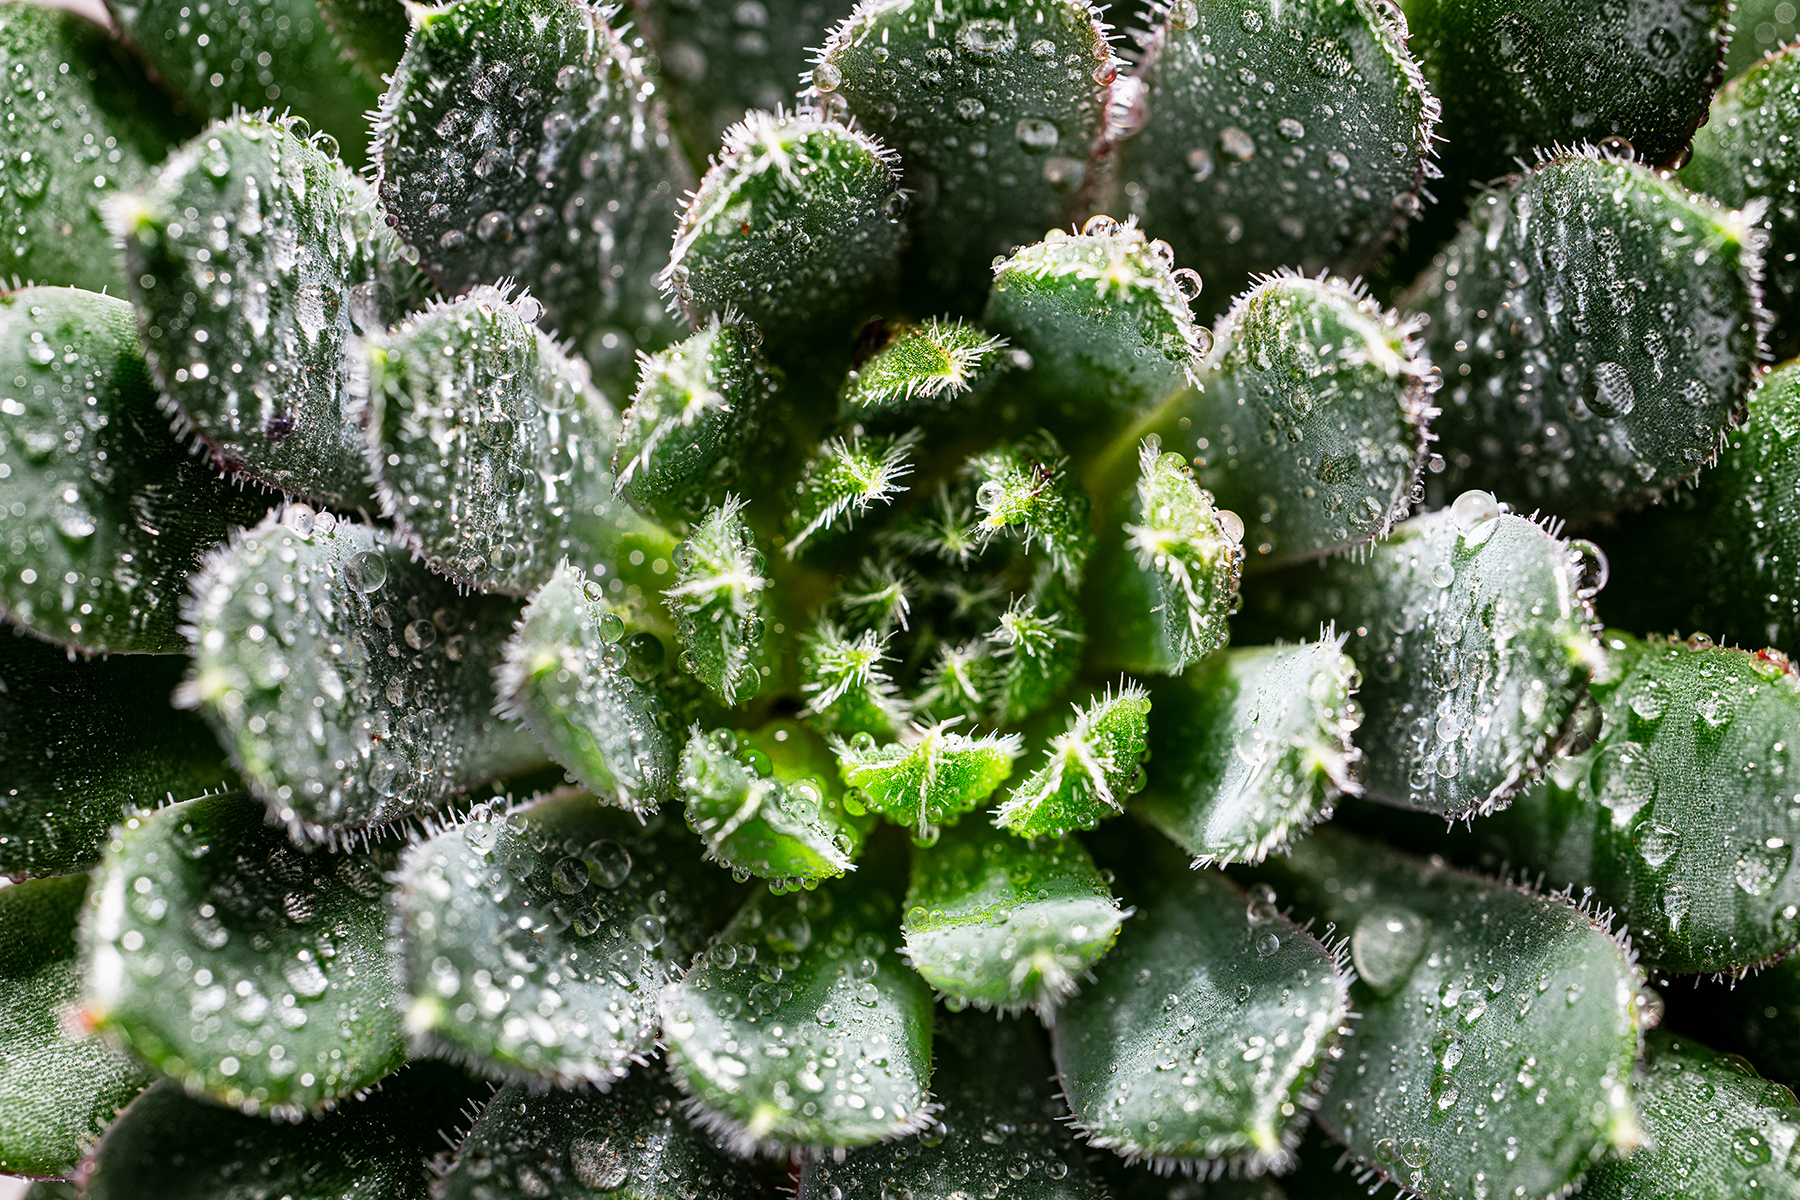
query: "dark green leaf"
249, 970
1089, 769
1205, 1033
997, 1133
352, 686
1494, 1051
1034, 649
995, 922
520, 139
1472, 631
62, 1083
930, 777
801, 1026
1250, 748
994, 106
105, 516
718, 603
255, 362
84, 743
627, 1143
921, 368
536, 941
83, 124
1561, 290
1761, 27
1317, 177
168, 1146
372, 32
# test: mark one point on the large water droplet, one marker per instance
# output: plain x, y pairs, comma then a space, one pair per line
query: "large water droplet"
598, 1164
1386, 946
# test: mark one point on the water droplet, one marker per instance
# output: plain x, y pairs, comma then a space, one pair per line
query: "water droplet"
1237, 145
1386, 945
1290, 129
1443, 574
1609, 392
1230, 524
366, 570
1624, 780
1184, 14
647, 931
1656, 844
1474, 514
598, 1165
569, 875
611, 862
420, 634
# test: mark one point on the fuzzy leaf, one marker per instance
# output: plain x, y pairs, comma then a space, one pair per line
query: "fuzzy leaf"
700, 409
84, 743
1561, 289
1105, 318
1477, 646
993, 105
536, 941
249, 970
1251, 749
1761, 27
62, 1085
1234, 181
1206, 1029
351, 686
1089, 769
843, 479
106, 516
847, 688
257, 366
1746, 152
797, 225
275, 54
1313, 420
1027, 490
372, 32
996, 1133
491, 449
921, 368
628, 1143
993, 922
930, 777
880, 594
1035, 649
1490, 1017
1167, 578
801, 1026
76, 81
520, 139
571, 681
168, 1146
717, 601
770, 804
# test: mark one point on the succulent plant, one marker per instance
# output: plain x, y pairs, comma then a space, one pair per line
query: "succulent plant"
928, 600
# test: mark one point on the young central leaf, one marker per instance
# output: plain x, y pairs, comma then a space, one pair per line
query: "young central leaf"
923, 367
491, 449
801, 1027
718, 603
207, 933
254, 258
351, 686
847, 688
843, 480
930, 777
994, 922
1089, 770
521, 139
1028, 490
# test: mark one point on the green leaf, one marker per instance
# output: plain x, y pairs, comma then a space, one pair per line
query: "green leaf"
1518, 76
770, 804
1036, 648
1206, 1029
1318, 178
74, 81
491, 449
372, 32
62, 1083
922, 368
1166, 578
536, 942
694, 426
256, 365
1708, 1121
797, 225
1472, 629
84, 743
106, 515
520, 139
1678, 815
1089, 768
1558, 290
994, 922
993, 105
276, 55
570, 678
1027, 490
629, 1143
843, 479
928, 778
1761, 27
847, 688
996, 1134
718, 603
1104, 316
1251, 749
351, 686
377, 1147
1745, 152
1313, 418
1491, 1018
801, 1026
880, 594
247, 969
